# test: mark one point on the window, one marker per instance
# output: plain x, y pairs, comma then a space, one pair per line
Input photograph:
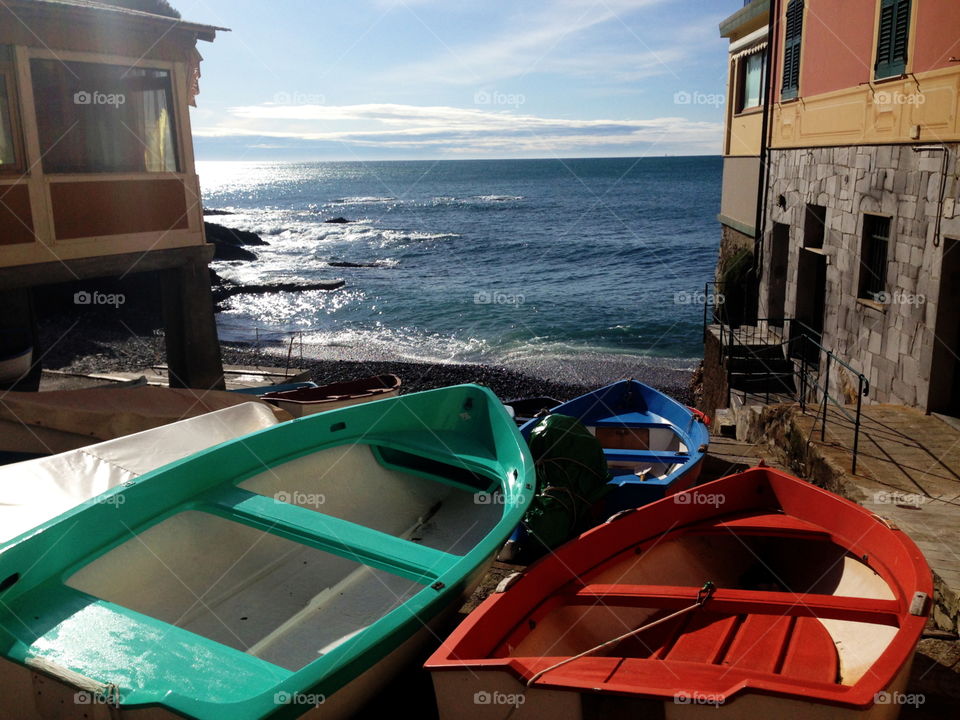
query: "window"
791, 50
752, 69
892, 38
814, 226
8, 108
95, 118
873, 257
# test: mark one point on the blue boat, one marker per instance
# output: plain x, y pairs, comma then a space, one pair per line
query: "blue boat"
654, 445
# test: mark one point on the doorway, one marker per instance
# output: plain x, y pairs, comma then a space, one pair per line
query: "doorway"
944, 394
777, 282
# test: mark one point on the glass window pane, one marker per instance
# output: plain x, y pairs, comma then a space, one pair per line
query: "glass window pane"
7, 155
104, 118
752, 80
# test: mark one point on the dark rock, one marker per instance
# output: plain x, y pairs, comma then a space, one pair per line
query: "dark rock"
224, 251
230, 236
337, 220
346, 264
227, 290
212, 211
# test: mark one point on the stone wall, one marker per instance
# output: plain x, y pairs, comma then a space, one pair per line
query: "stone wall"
712, 391
891, 344
732, 242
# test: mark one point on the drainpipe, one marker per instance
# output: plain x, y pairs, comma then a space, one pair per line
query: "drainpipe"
943, 183
772, 30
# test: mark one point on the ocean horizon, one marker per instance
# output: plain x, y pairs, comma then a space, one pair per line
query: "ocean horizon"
543, 266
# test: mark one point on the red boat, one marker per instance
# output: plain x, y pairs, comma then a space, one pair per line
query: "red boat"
754, 596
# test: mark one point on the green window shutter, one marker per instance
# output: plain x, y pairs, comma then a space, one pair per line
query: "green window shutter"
893, 37
793, 39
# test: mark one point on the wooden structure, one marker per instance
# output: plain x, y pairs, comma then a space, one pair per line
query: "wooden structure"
97, 174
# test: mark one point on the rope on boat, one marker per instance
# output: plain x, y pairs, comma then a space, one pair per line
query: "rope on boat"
704, 594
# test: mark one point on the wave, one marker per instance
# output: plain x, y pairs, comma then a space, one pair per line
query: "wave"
474, 200
498, 198
406, 236
363, 200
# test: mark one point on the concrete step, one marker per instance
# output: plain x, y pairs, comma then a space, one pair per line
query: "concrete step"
761, 350
755, 383
724, 423
758, 365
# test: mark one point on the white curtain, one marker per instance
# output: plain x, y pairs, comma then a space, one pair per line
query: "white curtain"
752, 80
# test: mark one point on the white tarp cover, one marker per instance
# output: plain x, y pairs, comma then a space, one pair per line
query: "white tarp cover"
35, 491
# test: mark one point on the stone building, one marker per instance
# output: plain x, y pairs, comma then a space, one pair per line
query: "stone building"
857, 151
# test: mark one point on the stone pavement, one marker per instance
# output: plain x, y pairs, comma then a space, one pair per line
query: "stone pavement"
908, 471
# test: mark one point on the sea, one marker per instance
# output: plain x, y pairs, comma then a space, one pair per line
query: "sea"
534, 265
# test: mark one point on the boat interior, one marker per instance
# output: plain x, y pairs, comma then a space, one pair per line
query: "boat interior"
639, 446
790, 606
298, 559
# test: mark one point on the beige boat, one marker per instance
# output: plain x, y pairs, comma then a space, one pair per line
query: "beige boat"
45, 423
310, 400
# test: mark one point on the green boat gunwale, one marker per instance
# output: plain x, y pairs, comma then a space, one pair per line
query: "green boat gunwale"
334, 669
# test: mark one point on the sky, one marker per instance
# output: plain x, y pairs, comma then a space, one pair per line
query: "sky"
458, 79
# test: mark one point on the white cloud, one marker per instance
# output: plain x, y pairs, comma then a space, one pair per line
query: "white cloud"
458, 130
547, 40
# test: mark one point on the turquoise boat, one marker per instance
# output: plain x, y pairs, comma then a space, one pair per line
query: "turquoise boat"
288, 572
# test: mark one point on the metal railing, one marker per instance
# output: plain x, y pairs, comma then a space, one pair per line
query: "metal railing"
810, 365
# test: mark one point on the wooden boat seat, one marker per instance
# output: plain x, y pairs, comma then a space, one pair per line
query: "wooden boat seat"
446, 447
183, 663
777, 524
665, 457
324, 532
635, 418
619, 422
754, 602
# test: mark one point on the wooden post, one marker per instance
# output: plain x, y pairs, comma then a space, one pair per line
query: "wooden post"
18, 320
193, 349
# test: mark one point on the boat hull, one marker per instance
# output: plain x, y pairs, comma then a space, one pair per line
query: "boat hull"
33, 694
301, 409
313, 400
654, 445
307, 585
756, 595
480, 694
